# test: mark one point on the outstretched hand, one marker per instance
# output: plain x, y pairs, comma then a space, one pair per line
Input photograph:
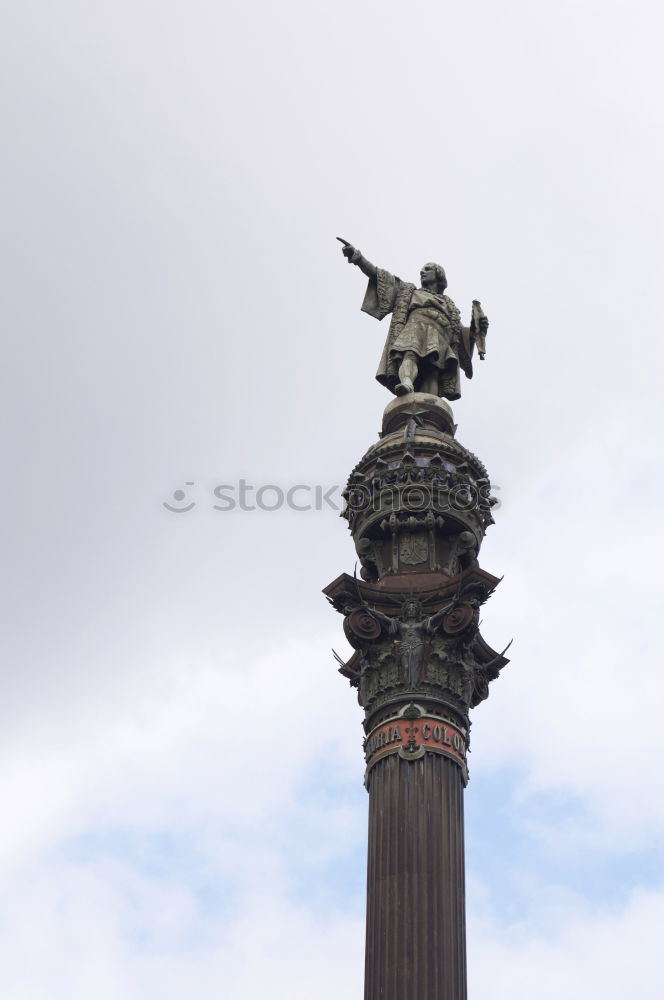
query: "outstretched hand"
349, 251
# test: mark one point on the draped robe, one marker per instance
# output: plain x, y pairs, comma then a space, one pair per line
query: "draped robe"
423, 322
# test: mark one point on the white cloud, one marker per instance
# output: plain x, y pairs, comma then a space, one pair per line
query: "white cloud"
240, 771
574, 709
601, 953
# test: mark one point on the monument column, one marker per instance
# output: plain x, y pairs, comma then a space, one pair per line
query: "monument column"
415, 939
418, 505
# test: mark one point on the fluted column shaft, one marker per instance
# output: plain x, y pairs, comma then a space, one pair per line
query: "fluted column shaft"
416, 940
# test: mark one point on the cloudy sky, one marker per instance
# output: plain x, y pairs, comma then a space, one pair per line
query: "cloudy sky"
183, 810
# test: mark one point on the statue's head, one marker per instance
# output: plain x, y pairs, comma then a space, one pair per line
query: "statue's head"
412, 609
433, 277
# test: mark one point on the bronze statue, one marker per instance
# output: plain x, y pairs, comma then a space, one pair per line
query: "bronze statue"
413, 630
426, 343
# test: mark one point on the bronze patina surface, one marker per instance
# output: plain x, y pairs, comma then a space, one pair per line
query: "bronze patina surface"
426, 344
418, 504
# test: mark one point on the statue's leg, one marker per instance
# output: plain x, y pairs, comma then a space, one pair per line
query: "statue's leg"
407, 374
429, 382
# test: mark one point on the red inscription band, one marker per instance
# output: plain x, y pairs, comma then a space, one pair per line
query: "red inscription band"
412, 738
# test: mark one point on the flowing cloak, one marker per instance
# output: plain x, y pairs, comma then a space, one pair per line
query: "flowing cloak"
423, 322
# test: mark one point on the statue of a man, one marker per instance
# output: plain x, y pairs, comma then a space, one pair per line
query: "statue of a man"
426, 343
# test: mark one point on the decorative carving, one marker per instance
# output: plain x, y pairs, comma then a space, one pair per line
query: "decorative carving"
367, 553
413, 549
412, 629
458, 619
463, 553
436, 654
382, 674
352, 669
419, 481
484, 673
362, 626
412, 746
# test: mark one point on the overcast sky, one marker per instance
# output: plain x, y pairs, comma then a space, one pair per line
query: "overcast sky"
183, 810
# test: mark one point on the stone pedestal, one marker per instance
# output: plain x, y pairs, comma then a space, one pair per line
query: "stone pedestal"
418, 505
